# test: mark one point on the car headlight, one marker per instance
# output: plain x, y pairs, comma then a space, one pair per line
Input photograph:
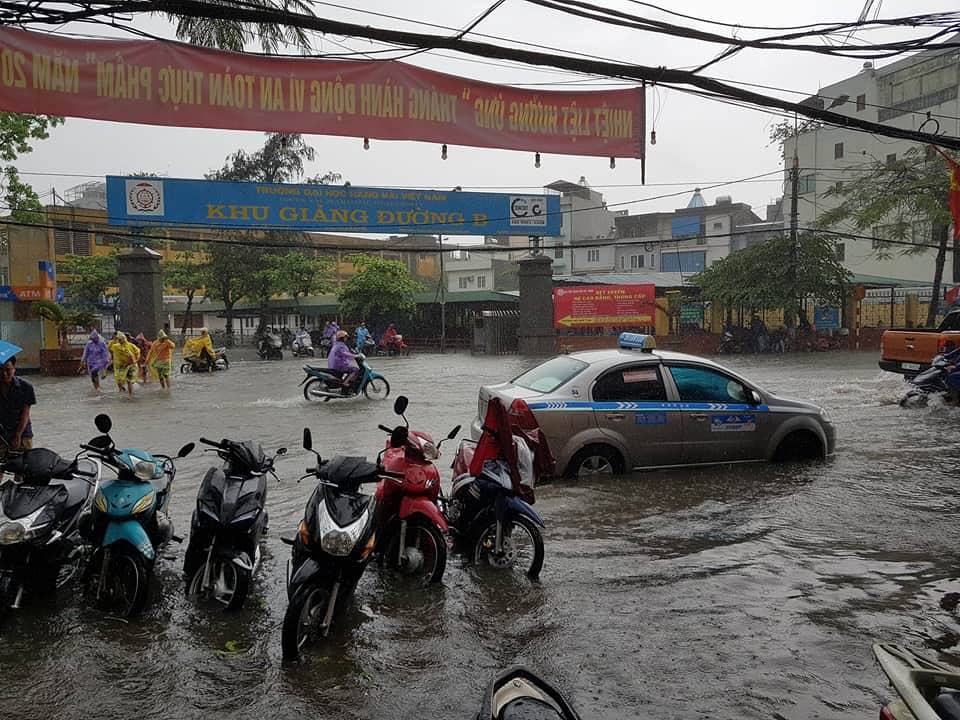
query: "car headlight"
824, 415
100, 501
144, 470
11, 533
144, 503
430, 451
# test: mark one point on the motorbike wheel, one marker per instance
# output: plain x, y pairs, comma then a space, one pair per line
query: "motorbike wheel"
125, 587
311, 352
377, 389
226, 363
230, 586
186, 367
424, 553
914, 398
303, 621
522, 547
309, 390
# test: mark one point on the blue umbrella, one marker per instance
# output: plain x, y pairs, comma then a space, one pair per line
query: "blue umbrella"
8, 350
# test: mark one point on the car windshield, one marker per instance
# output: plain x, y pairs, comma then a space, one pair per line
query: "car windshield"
550, 375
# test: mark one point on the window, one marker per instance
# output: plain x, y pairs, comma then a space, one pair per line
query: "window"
891, 159
636, 383
460, 255
807, 184
700, 385
550, 375
861, 103
651, 259
462, 282
481, 281
623, 260
718, 226
685, 262
636, 261
841, 249
838, 151
558, 252
593, 256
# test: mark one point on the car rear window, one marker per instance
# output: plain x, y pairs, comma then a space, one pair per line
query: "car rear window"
550, 375
637, 383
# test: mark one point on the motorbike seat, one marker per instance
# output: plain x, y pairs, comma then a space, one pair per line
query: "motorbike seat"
38, 466
317, 369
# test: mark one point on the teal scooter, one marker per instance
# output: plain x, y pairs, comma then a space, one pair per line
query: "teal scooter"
128, 521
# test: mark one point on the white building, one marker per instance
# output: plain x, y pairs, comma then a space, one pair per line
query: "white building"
466, 270
900, 94
586, 221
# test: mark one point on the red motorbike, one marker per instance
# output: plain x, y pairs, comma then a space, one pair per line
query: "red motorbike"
412, 532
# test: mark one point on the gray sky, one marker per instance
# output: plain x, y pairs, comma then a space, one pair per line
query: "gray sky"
699, 141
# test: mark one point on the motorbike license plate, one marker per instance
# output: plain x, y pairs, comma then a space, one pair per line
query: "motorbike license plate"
910, 366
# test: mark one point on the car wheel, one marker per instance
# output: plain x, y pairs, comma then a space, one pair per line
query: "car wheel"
799, 445
595, 460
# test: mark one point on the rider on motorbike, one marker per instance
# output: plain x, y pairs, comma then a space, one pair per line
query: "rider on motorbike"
363, 334
201, 347
302, 338
343, 361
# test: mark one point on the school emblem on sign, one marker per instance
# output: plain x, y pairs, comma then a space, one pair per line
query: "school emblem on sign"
144, 197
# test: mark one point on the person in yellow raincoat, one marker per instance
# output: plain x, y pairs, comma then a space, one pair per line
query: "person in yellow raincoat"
159, 359
125, 356
201, 347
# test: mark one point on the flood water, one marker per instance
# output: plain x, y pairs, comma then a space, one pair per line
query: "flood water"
749, 591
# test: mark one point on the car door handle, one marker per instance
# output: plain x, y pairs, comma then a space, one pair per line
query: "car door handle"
615, 417
698, 416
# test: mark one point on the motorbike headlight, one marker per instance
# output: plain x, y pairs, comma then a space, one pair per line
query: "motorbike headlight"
430, 451
144, 503
144, 470
11, 533
100, 501
337, 542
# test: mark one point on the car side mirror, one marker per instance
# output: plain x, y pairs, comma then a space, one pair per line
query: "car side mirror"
307, 439
103, 423
755, 398
186, 450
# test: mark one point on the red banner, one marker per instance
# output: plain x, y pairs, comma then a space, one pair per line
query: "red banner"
603, 305
166, 83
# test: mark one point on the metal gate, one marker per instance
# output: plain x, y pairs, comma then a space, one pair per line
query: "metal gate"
495, 332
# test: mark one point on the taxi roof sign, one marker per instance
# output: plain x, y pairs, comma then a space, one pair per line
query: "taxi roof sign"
637, 341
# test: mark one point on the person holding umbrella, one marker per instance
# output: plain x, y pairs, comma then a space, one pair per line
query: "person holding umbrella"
16, 398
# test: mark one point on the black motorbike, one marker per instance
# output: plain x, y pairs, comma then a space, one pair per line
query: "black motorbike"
932, 381
227, 525
41, 502
334, 543
196, 363
269, 347
518, 694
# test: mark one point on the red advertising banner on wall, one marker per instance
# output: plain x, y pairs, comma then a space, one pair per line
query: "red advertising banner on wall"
166, 83
599, 305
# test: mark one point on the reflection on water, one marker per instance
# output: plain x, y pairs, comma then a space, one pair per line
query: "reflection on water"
753, 591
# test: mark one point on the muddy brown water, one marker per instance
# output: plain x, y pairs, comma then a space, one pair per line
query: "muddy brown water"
749, 591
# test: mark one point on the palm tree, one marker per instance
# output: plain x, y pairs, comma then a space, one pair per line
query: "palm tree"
63, 318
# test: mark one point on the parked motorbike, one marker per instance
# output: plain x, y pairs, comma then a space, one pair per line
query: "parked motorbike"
728, 344
325, 384
195, 363
934, 380
302, 348
411, 529
927, 689
224, 549
128, 521
489, 509
519, 694
334, 542
41, 502
269, 347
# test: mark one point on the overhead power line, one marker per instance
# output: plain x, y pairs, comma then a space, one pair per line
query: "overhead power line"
663, 76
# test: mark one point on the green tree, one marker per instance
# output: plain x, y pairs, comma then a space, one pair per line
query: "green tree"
187, 274
91, 276
17, 133
298, 274
235, 35
64, 318
904, 201
227, 275
758, 277
380, 290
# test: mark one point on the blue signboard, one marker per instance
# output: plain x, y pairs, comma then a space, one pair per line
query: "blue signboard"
7, 294
146, 202
826, 318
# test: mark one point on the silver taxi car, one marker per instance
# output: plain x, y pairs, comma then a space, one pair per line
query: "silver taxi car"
607, 411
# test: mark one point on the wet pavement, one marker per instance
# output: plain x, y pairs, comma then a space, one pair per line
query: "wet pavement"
750, 591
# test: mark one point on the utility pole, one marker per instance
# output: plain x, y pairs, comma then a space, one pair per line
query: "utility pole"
443, 302
794, 240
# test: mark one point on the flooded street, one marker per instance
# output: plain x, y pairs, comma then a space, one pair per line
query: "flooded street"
750, 591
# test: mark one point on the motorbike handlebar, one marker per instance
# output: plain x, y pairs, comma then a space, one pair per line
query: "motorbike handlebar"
211, 442
387, 430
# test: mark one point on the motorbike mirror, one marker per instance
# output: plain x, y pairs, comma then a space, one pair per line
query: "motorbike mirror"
281, 451
307, 439
400, 405
453, 433
398, 438
103, 423
186, 450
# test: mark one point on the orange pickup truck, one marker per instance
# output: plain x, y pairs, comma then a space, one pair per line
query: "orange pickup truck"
908, 351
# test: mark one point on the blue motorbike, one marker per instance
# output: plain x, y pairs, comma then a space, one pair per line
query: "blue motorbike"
128, 521
325, 384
